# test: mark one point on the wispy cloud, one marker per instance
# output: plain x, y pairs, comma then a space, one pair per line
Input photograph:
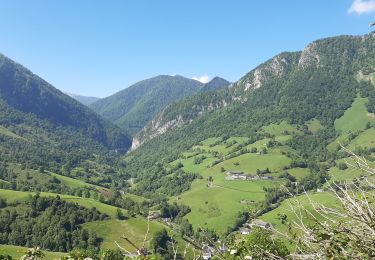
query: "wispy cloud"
362, 7
203, 78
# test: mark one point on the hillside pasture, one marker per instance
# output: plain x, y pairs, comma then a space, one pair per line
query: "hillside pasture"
217, 206
279, 128
355, 118
289, 207
134, 229
19, 196
18, 251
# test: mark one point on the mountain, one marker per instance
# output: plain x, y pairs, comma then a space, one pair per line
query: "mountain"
215, 84
319, 83
83, 99
38, 123
133, 107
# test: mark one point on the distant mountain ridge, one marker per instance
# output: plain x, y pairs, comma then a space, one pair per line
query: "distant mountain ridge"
86, 100
133, 107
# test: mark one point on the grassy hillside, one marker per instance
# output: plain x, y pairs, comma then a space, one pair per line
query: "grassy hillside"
290, 208
18, 196
18, 251
355, 118
134, 228
295, 89
216, 205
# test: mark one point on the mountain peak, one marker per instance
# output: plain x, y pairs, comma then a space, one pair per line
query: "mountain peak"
215, 83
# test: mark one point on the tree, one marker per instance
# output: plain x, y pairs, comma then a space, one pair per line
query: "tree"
186, 228
261, 245
343, 166
119, 214
33, 254
159, 243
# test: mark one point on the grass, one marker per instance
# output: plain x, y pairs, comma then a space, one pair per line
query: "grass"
17, 251
134, 228
355, 118
190, 166
326, 198
249, 163
343, 175
299, 173
342, 139
364, 139
348, 174
110, 230
224, 147
19, 196
279, 129
314, 126
73, 183
217, 207
7, 132
260, 144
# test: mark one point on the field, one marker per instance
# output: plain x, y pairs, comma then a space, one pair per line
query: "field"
364, 139
272, 216
14, 196
216, 206
299, 173
314, 126
7, 132
134, 228
355, 118
18, 251
110, 230
279, 129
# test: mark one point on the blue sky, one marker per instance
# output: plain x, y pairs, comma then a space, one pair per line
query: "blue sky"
96, 48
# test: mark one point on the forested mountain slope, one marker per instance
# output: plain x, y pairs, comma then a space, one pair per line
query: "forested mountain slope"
39, 123
134, 106
318, 83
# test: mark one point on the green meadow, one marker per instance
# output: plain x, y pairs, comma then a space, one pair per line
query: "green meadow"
18, 251
19, 196
293, 206
216, 206
355, 118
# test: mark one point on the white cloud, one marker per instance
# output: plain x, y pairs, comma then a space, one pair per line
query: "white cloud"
362, 7
203, 78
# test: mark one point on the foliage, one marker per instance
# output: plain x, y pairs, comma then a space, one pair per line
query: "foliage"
260, 244
133, 107
48, 222
33, 254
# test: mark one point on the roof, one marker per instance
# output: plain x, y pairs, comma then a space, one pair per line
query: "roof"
244, 230
260, 223
235, 172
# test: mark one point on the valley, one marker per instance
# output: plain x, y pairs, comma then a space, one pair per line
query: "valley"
212, 159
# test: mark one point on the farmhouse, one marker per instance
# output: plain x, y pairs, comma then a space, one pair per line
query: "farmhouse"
260, 223
245, 231
236, 177
153, 214
207, 252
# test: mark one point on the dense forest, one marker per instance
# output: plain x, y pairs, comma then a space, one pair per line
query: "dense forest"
51, 223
